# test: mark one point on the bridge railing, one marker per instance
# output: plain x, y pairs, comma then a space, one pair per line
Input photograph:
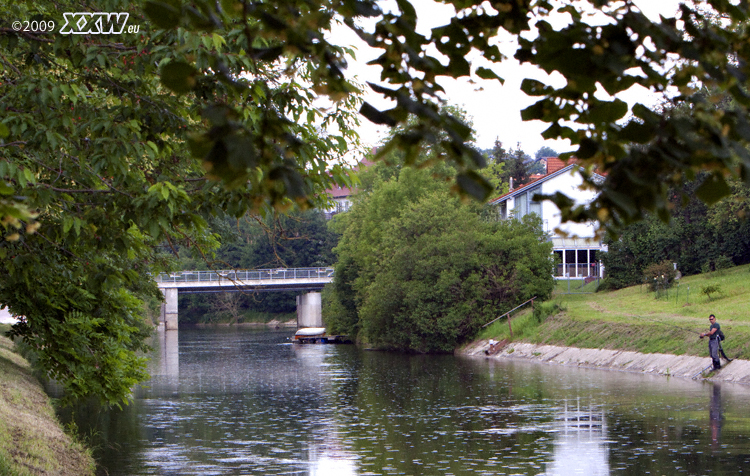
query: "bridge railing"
244, 275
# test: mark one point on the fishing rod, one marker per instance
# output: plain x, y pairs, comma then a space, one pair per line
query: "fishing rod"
702, 371
672, 325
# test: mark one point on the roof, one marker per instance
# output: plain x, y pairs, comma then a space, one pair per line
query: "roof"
554, 164
555, 167
343, 192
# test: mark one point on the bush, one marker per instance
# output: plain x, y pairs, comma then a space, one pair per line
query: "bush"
660, 275
711, 289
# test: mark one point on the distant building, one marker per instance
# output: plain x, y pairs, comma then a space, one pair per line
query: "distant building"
342, 196
578, 257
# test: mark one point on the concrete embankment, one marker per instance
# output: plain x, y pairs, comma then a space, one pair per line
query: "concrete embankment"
683, 366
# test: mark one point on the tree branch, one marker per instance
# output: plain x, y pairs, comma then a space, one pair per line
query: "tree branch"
15, 143
25, 34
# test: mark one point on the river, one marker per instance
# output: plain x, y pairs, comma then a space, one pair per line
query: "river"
238, 401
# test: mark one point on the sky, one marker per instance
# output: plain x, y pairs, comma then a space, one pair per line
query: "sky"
494, 108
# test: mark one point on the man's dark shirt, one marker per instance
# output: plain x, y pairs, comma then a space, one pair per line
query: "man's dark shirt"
715, 335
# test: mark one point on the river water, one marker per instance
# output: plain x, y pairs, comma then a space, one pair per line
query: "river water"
235, 402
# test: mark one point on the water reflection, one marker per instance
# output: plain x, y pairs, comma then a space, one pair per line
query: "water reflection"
581, 441
251, 403
168, 354
715, 416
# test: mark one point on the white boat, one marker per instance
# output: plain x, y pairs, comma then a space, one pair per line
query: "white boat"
310, 332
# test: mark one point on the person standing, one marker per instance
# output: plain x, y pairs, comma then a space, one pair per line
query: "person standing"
713, 341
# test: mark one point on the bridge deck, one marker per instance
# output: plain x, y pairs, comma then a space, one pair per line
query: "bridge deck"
283, 279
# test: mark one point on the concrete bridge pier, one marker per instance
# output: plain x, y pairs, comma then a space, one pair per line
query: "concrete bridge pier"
309, 310
169, 309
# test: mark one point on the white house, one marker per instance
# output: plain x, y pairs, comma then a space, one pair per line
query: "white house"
575, 244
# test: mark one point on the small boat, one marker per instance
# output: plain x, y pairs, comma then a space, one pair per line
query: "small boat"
317, 335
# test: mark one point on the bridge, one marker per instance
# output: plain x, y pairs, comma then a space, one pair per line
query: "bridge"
307, 280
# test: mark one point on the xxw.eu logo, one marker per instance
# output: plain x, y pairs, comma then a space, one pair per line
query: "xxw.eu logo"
97, 24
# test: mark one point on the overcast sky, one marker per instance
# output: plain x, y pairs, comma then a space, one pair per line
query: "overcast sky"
494, 108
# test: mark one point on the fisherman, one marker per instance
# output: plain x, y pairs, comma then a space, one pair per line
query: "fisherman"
713, 341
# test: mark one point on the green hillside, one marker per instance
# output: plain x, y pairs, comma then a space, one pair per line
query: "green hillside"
638, 319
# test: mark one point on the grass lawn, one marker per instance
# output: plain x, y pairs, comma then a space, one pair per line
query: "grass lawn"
637, 319
31, 439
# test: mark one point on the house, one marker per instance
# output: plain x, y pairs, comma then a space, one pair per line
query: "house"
343, 196
575, 244
342, 200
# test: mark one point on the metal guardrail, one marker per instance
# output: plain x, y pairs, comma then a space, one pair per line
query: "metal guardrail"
244, 275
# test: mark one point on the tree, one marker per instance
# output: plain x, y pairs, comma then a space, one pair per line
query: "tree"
420, 271
98, 133
495, 169
697, 237
611, 51
506, 164
516, 166
544, 152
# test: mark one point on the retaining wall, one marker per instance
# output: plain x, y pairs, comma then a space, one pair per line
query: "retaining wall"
682, 366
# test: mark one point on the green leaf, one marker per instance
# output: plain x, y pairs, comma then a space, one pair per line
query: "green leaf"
4, 131
179, 76
474, 185
153, 147
532, 87
67, 224
218, 41
713, 189
376, 116
587, 149
607, 112
165, 15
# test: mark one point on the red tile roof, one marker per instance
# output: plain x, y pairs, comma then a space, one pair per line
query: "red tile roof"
342, 192
554, 164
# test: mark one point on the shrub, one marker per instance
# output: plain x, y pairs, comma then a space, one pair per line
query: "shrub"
660, 275
711, 289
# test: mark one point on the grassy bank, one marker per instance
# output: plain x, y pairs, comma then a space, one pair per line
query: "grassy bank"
638, 319
32, 441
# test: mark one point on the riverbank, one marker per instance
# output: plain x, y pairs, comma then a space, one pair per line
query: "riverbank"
32, 441
681, 366
633, 329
